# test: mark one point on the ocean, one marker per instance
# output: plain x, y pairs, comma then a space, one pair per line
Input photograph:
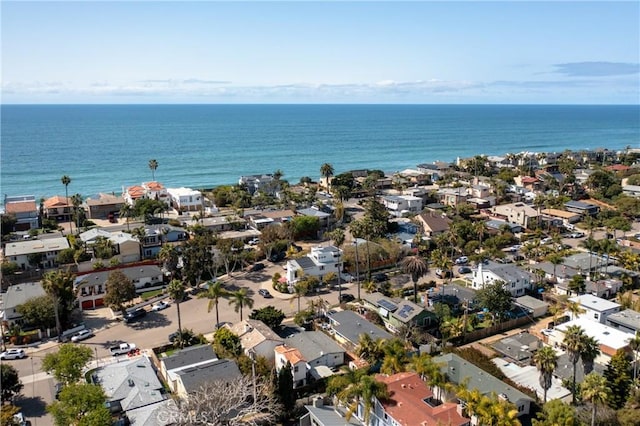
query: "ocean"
103, 148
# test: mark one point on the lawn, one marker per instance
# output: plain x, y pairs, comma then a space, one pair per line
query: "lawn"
151, 294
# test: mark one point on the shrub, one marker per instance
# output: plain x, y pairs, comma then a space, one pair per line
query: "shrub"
26, 340
13, 340
98, 265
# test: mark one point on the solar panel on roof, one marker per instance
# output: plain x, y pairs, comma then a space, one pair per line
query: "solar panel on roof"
387, 305
405, 311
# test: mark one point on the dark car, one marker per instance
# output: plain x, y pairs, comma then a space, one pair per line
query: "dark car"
256, 267
134, 314
380, 278
265, 293
443, 274
464, 270
344, 298
276, 257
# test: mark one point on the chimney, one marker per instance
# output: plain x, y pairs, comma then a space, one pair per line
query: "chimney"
318, 401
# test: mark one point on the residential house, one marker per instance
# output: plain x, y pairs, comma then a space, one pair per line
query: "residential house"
324, 218
285, 355
402, 205
528, 182
25, 253
190, 379
582, 208
133, 194
347, 326
318, 263
157, 235
518, 213
596, 308
535, 307
319, 414
223, 223
25, 211
105, 206
458, 371
184, 358
631, 190
130, 384
498, 225
452, 196
528, 376
126, 248
58, 208
516, 280
397, 313
455, 296
627, 321
15, 296
519, 348
156, 191
257, 338
255, 183
433, 223
318, 349
91, 287
411, 402
186, 199
566, 217
609, 339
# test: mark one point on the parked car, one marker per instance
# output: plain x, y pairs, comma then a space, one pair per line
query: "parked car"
122, 348
265, 293
576, 234
380, 278
256, 267
276, 257
464, 270
158, 306
254, 241
134, 315
13, 354
81, 335
443, 274
462, 260
346, 297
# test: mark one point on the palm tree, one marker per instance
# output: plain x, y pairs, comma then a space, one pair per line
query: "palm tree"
634, 344
594, 389
176, 291
126, 211
369, 349
66, 180
365, 390
214, 293
170, 258
417, 267
546, 361
590, 351
300, 289
395, 357
326, 170
240, 299
153, 165
76, 200
573, 343
57, 285
555, 259
574, 308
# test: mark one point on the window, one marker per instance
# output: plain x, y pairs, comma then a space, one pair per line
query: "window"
596, 316
513, 285
295, 369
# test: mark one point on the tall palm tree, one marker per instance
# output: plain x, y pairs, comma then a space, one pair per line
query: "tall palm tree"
126, 211
395, 357
153, 165
338, 237
364, 391
170, 258
573, 343
595, 390
546, 361
176, 291
214, 293
57, 285
417, 267
76, 200
326, 170
66, 180
240, 299
574, 308
634, 344
590, 351
369, 349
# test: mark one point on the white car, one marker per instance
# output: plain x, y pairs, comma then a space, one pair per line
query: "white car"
159, 306
13, 354
81, 335
462, 260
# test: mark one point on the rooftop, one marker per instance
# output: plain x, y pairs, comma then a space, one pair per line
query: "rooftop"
627, 318
189, 356
350, 326
218, 370
18, 294
604, 334
21, 207
312, 344
595, 303
17, 248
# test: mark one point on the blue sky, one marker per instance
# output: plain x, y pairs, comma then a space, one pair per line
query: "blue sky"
329, 52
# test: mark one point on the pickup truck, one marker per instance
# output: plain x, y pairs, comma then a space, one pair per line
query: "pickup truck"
122, 349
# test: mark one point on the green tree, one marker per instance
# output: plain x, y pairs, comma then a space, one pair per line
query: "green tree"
66, 180
338, 237
120, 290
326, 170
153, 165
7, 224
573, 343
577, 284
305, 227
363, 392
7, 415
370, 350
269, 315
284, 388
395, 357
67, 363
126, 211
227, 343
38, 312
214, 293
176, 291
59, 287
590, 351
594, 390
628, 415
556, 413
11, 384
240, 299
170, 258
80, 405
417, 267
634, 345
546, 361
618, 379
495, 298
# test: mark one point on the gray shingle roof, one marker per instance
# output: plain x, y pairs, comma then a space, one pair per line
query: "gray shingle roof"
222, 369
305, 262
189, 356
312, 343
350, 325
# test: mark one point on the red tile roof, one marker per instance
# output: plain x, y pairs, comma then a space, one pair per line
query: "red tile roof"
529, 179
21, 207
618, 168
57, 201
154, 186
292, 355
406, 402
135, 191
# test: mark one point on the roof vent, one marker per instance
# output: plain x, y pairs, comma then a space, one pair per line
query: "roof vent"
130, 382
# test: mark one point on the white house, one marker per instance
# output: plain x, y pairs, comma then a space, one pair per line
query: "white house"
596, 308
516, 280
255, 183
519, 213
402, 205
318, 263
156, 191
15, 296
186, 199
19, 251
285, 354
257, 338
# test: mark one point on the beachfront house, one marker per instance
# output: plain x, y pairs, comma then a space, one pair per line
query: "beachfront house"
104, 207
58, 208
24, 210
35, 253
318, 263
186, 199
255, 183
402, 205
516, 280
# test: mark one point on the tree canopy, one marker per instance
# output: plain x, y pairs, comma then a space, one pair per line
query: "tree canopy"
11, 384
269, 315
495, 298
80, 405
120, 290
66, 365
